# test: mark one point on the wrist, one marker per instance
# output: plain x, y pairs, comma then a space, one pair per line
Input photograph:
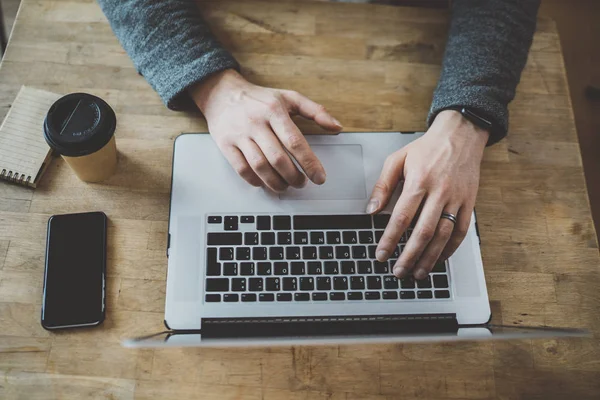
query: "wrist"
456, 126
205, 93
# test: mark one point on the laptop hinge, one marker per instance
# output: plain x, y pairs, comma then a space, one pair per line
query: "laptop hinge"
328, 325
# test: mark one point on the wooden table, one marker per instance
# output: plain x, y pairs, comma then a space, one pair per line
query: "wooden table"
375, 68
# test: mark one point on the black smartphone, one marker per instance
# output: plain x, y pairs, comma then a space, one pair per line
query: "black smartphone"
75, 274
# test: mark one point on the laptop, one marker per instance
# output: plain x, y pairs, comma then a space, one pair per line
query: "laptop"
248, 266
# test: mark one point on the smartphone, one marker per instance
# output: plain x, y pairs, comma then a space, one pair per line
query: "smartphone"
75, 273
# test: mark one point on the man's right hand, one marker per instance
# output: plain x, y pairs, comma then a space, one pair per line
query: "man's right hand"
252, 127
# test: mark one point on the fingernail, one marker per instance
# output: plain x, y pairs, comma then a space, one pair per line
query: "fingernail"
338, 123
382, 255
372, 206
319, 178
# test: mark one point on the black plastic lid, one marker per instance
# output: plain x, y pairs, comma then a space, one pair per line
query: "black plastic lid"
79, 124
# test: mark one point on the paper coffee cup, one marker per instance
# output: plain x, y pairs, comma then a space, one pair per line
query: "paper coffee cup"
81, 127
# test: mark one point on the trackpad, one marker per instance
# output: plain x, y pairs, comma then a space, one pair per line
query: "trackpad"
345, 175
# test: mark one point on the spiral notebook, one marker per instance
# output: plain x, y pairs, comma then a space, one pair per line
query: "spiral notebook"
24, 154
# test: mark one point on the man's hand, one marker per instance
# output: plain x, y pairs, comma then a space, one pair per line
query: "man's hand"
441, 174
252, 127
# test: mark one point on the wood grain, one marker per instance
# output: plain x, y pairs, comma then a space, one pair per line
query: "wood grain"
374, 67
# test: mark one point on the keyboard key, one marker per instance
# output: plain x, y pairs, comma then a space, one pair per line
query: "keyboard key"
247, 219
390, 282
282, 223
337, 296
407, 283
309, 253
365, 237
212, 298
281, 268
381, 267
359, 252
246, 268
439, 267
284, 297
217, 285
378, 235
213, 269
317, 238
214, 220
396, 252
231, 223
226, 253
298, 268
381, 220
424, 294
224, 239
331, 222
342, 252
267, 238
273, 284
355, 296
349, 237
251, 238
276, 253
284, 237
300, 238
372, 295
334, 238
348, 268
255, 284
323, 283
374, 282
242, 253
230, 269
331, 268
407, 294
307, 283
301, 296
248, 297
340, 283
372, 250
440, 281
314, 268
238, 285
263, 223
357, 282
292, 253
266, 297
259, 253
290, 284
424, 283
442, 294
326, 252
264, 268
319, 296
231, 298
390, 295
365, 267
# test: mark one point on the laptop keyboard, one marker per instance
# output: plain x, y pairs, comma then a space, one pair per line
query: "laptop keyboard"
308, 258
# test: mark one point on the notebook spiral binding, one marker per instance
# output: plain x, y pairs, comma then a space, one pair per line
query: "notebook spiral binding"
15, 177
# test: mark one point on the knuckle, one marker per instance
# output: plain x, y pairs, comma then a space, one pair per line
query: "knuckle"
243, 170
259, 163
400, 219
279, 159
446, 230
425, 234
381, 187
294, 143
320, 108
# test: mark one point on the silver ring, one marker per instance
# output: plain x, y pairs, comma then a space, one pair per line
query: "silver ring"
449, 216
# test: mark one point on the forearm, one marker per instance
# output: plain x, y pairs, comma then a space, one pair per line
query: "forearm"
485, 54
169, 43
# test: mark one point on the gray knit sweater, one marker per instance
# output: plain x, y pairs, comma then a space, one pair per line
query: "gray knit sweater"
172, 47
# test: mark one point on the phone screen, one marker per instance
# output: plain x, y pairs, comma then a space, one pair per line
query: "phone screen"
74, 279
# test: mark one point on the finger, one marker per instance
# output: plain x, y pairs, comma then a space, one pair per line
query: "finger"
463, 220
422, 235
236, 159
307, 108
261, 166
392, 172
293, 140
433, 250
279, 159
400, 220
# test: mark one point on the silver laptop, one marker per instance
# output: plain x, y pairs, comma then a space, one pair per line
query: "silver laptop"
246, 265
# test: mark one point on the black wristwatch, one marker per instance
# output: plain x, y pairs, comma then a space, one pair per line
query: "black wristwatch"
476, 118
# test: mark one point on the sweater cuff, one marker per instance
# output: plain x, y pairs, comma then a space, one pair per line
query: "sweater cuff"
478, 99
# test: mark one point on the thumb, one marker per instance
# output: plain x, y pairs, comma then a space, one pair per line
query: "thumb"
307, 108
392, 172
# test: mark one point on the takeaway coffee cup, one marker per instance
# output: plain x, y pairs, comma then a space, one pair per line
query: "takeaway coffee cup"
81, 128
